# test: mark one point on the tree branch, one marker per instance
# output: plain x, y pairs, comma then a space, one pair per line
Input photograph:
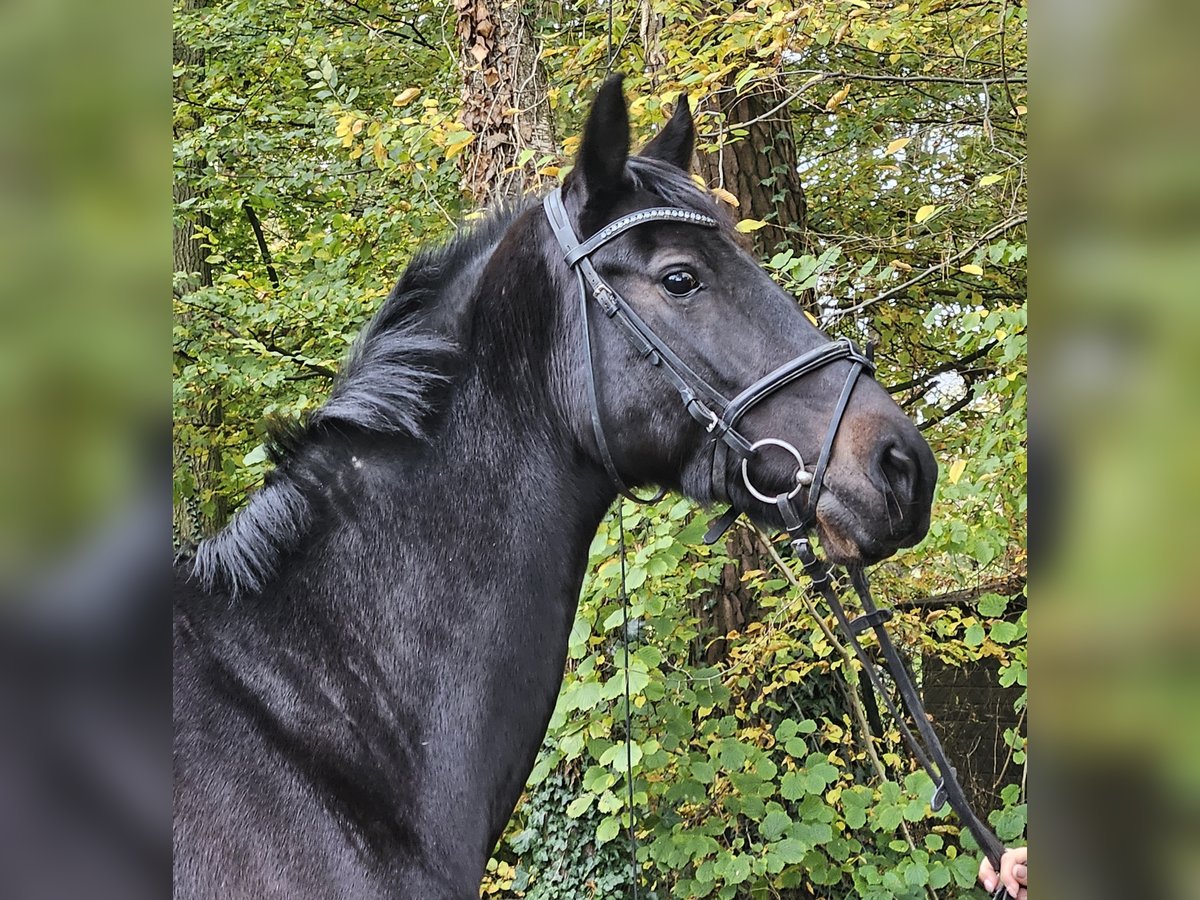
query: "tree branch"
963, 254
953, 407
1005, 587
953, 365
256, 227
266, 343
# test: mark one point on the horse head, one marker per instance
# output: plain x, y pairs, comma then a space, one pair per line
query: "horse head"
707, 377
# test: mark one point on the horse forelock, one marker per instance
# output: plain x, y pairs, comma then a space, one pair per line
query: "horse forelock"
675, 187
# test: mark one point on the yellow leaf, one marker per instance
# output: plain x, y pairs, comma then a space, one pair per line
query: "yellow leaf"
406, 96
699, 179
1021, 110
380, 152
972, 269
896, 145
901, 265
722, 194
836, 100
456, 148
925, 213
812, 318
990, 179
956, 470
747, 225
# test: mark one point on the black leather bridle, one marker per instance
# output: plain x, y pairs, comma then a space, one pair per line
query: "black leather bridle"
720, 417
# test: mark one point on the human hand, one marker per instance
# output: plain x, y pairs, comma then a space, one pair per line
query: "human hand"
1014, 873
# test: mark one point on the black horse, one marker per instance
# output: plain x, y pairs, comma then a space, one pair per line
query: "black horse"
367, 657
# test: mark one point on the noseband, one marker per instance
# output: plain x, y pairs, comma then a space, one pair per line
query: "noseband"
719, 415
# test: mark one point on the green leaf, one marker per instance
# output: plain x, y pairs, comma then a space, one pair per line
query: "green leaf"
255, 456
607, 830
1004, 632
579, 806
774, 825
992, 605
793, 786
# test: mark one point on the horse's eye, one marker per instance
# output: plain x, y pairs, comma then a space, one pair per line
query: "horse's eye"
680, 283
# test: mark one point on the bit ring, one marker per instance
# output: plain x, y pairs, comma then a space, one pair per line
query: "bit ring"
803, 478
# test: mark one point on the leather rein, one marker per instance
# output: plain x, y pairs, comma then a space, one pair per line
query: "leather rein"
720, 417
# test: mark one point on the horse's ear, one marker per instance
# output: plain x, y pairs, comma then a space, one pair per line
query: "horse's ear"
605, 146
674, 144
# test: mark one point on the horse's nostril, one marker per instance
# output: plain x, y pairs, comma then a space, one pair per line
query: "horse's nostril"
899, 470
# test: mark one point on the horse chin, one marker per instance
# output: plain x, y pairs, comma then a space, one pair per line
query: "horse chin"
844, 539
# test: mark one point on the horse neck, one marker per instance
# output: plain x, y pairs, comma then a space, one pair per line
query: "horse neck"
446, 581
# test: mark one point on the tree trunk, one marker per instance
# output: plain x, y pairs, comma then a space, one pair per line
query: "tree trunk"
760, 168
204, 512
190, 254
505, 104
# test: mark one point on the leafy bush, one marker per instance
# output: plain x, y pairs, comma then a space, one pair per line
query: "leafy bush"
750, 778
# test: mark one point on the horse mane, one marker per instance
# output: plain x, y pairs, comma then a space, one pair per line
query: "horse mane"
387, 385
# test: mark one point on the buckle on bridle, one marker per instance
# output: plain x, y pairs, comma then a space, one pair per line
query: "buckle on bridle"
702, 414
940, 794
870, 620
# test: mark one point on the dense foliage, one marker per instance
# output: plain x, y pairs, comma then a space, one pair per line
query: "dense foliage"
319, 144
